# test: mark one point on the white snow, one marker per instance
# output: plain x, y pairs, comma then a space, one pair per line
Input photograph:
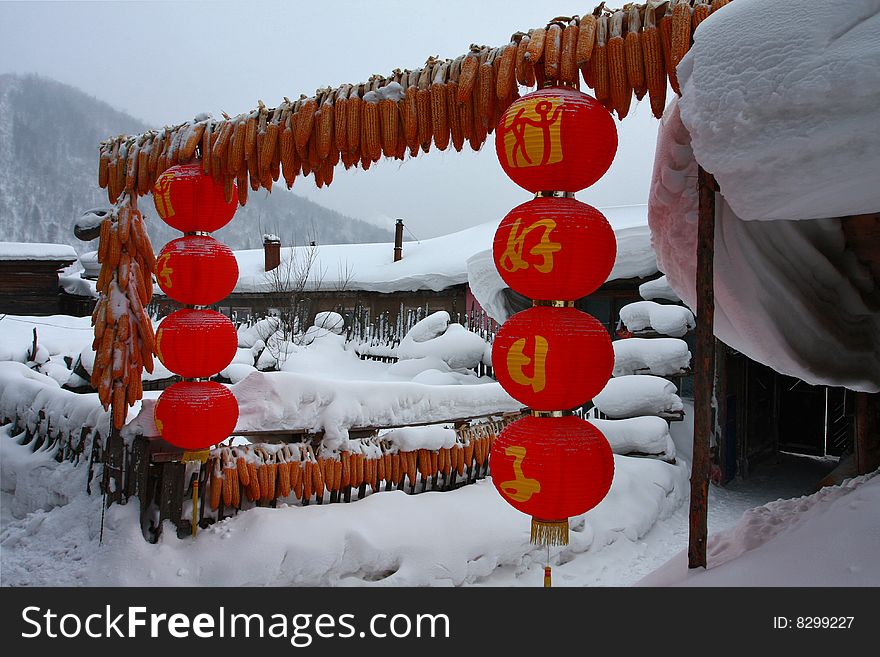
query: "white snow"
639, 394
830, 538
658, 356
435, 336
666, 319
433, 437
658, 289
647, 435
788, 294
298, 402
781, 101
36, 251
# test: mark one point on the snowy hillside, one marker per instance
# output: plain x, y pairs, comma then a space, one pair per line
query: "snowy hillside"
49, 136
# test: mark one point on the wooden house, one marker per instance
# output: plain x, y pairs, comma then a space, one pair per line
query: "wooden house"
29, 282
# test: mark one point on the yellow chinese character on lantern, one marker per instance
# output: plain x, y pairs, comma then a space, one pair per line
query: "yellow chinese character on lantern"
531, 136
512, 258
162, 196
517, 361
164, 271
520, 488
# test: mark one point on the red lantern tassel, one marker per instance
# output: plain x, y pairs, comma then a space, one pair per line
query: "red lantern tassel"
547, 577
549, 532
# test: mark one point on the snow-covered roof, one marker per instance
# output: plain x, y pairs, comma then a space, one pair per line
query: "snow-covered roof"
430, 264
36, 251
768, 107
781, 101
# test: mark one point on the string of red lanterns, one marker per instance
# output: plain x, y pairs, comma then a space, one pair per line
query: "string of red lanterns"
195, 270
553, 358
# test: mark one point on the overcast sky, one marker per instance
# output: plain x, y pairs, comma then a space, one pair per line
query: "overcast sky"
164, 62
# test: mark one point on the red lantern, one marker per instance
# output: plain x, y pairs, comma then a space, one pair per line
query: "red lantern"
552, 359
552, 469
554, 248
196, 270
190, 200
196, 343
196, 414
556, 139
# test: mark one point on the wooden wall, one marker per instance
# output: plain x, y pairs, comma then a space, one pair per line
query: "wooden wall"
30, 287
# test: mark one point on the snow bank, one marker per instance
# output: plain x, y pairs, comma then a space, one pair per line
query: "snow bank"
658, 289
675, 321
38, 403
433, 437
298, 402
829, 538
36, 251
788, 294
638, 435
781, 101
658, 356
469, 536
434, 336
640, 394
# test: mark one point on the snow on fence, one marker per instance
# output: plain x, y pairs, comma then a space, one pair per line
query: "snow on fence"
48, 417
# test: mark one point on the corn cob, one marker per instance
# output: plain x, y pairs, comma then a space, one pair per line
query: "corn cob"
423, 107
340, 116
360, 468
655, 71
271, 480
552, 48
235, 161
525, 71
469, 453
337, 475
131, 168
599, 61
459, 460
304, 124
485, 90
103, 165
371, 138
268, 148
568, 68
242, 470
318, 479
193, 139
345, 459
586, 39
353, 121
718, 4
288, 152
412, 460
389, 119
467, 81
410, 117
536, 46
505, 83
119, 405
208, 140
369, 471
228, 476
296, 478
216, 484
680, 33
621, 92
635, 70
700, 13
386, 467
664, 28
439, 108
325, 121
308, 480
142, 182
478, 131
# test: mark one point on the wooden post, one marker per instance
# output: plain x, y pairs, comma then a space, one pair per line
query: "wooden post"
866, 436
114, 462
704, 372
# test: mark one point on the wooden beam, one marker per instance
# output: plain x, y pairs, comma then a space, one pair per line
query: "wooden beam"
704, 372
867, 441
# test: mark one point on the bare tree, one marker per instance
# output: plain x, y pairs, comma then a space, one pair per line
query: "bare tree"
287, 285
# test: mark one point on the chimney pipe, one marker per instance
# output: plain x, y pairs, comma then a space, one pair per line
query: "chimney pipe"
398, 240
271, 252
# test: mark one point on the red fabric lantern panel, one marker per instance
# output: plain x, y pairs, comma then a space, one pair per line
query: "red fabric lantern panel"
552, 359
556, 139
196, 414
196, 270
552, 468
554, 248
196, 343
190, 200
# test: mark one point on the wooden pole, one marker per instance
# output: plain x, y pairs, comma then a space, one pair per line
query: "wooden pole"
704, 372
